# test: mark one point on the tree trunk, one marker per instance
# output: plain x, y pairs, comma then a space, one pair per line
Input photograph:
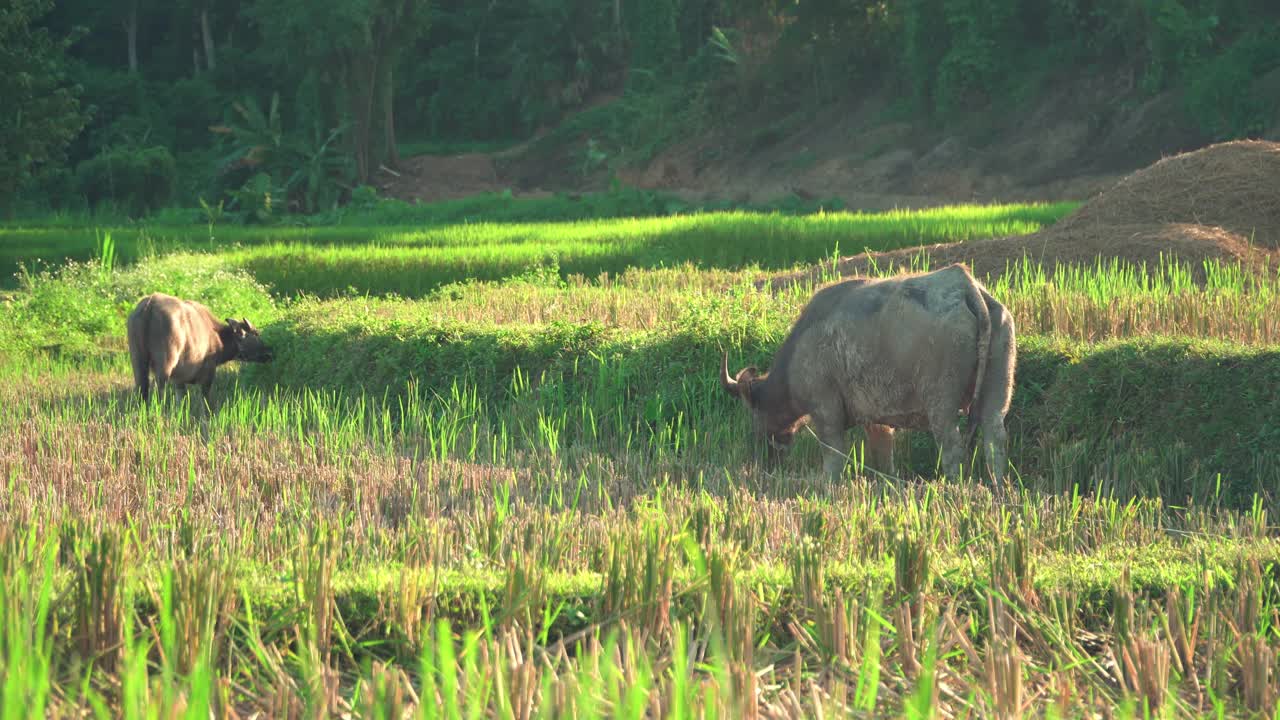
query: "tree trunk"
389, 119
361, 91
196, 64
131, 32
207, 33
368, 115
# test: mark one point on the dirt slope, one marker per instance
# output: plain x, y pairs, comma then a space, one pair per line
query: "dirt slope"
1078, 139
429, 178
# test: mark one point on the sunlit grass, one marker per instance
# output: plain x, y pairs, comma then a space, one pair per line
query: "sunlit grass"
413, 260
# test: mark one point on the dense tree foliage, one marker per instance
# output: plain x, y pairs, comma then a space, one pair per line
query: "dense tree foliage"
293, 103
41, 112
344, 54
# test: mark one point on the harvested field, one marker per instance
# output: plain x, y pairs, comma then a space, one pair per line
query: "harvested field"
528, 495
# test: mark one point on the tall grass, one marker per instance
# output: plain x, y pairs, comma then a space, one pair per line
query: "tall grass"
1114, 299
1109, 299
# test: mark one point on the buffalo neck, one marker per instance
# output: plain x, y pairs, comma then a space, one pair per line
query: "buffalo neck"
230, 346
775, 388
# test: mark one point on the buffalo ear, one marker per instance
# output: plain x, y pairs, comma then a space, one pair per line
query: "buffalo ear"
248, 325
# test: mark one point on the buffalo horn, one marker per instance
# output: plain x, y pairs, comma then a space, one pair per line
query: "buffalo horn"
730, 385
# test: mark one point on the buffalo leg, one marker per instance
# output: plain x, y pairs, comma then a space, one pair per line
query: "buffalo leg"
206, 387
880, 448
831, 436
997, 389
162, 381
833, 460
947, 432
995, 441
142, 377
162, 366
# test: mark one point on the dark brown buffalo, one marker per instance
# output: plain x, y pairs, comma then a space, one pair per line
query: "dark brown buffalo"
181, 342
909, 352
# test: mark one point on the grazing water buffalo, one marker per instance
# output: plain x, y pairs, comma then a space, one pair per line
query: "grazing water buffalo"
912, 352
183, 343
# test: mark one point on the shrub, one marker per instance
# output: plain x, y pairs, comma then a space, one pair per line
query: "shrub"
192, 104
138, 180
49, 188
1220, 95
71, 310
1178, 37
120, 108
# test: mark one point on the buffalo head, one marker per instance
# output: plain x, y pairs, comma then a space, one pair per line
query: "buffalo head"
247, 341
771, 419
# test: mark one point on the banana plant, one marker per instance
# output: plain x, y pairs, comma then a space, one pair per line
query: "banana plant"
318, 176
306, 172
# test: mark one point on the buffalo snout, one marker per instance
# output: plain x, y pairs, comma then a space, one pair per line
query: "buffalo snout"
265, 356
256, 351
770, 449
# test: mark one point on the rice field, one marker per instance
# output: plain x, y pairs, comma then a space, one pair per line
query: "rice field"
523, 494
411, 261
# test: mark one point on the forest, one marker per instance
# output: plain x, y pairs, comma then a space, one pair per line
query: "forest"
288, 107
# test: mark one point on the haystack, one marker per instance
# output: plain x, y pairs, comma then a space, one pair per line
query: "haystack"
1234, 186
1221, 202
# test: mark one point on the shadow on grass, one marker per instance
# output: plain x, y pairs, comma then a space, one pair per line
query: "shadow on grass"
1187, 421
1179, 419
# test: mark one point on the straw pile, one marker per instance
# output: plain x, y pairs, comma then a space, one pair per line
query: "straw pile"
1221, 202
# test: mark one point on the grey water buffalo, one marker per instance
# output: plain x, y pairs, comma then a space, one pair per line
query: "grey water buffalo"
909, 352
181, 342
